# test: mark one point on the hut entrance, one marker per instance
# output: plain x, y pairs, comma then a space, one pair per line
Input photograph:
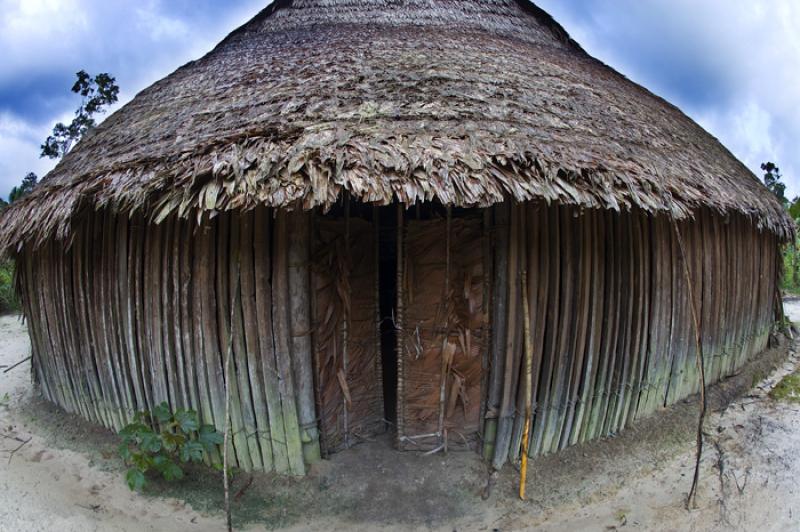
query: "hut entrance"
443, 322
400, 325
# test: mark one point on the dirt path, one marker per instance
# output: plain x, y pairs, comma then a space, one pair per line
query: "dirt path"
67, 476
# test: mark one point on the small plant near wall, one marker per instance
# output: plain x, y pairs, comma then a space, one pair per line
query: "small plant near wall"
179, 439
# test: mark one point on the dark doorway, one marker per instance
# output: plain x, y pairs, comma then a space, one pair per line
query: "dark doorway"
387, 275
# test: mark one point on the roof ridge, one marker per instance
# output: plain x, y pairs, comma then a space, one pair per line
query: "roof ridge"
544, 19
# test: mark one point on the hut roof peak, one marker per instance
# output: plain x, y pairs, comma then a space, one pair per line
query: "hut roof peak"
518, 18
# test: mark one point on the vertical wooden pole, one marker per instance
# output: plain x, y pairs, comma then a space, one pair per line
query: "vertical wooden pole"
401, 413
253, 339
499, 318
445, 367
346, 323
527, 382
281, 335
300, 319
506, 421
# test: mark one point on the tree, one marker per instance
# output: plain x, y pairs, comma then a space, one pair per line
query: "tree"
24, 188
794, 209
772, 179
97, 93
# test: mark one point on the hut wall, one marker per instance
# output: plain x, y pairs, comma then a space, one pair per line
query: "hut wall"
132, 314
611, 325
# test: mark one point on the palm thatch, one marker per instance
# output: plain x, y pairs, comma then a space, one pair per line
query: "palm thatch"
465, 102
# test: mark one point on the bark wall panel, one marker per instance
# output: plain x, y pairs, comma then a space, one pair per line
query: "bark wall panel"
444, 332
348, 359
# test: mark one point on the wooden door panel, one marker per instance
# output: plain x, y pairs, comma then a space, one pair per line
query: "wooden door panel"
443, 334
347, 339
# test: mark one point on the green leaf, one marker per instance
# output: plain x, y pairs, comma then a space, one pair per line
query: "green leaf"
172, 441
162, 413
187, 420
135, 479
125, 452
150, 442
172, 471
142, 461
192, 451
133, 431
209, 436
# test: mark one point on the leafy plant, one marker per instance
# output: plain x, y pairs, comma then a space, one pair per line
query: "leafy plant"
180, 440
8, 297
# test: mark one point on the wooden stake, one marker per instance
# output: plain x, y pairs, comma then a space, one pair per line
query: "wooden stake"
401, 414
528, 393
445, 362
346, 324
226, 436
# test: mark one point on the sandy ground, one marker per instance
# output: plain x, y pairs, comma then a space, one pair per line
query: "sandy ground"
67, 476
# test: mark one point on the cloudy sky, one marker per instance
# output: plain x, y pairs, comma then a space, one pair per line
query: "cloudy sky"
732, 65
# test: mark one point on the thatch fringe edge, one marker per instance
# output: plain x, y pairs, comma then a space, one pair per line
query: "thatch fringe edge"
315, 170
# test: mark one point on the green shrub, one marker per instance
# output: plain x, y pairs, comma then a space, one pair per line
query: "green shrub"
8, 297
180, 440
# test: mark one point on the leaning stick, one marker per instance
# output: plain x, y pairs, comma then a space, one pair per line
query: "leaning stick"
691, 500
227, 373
526, 316
17, 364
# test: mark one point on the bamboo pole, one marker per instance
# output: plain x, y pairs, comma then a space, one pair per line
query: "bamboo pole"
228, 423
488, 275
227, 285
401, 411
346, 323
528, 383
300, 323
242, 392
505, 423
500, 232
281, 335
446, 360
263, 293
552, 282
252, 339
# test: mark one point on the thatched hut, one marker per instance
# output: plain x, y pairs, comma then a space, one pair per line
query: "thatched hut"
357, 199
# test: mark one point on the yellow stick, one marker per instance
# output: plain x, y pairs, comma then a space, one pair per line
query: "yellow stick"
523, 475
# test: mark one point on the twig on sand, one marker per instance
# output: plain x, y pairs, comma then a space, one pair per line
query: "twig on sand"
241, 492
20, 446
17, 364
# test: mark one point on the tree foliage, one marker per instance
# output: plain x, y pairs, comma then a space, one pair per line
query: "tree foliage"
772, 179
97, 92
29, 182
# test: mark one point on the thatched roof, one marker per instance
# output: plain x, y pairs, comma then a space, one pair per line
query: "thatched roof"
467, 102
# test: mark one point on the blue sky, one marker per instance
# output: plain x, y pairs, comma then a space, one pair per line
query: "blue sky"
732, 65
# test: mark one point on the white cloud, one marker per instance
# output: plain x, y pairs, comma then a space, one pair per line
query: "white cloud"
18, 140
732, 66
